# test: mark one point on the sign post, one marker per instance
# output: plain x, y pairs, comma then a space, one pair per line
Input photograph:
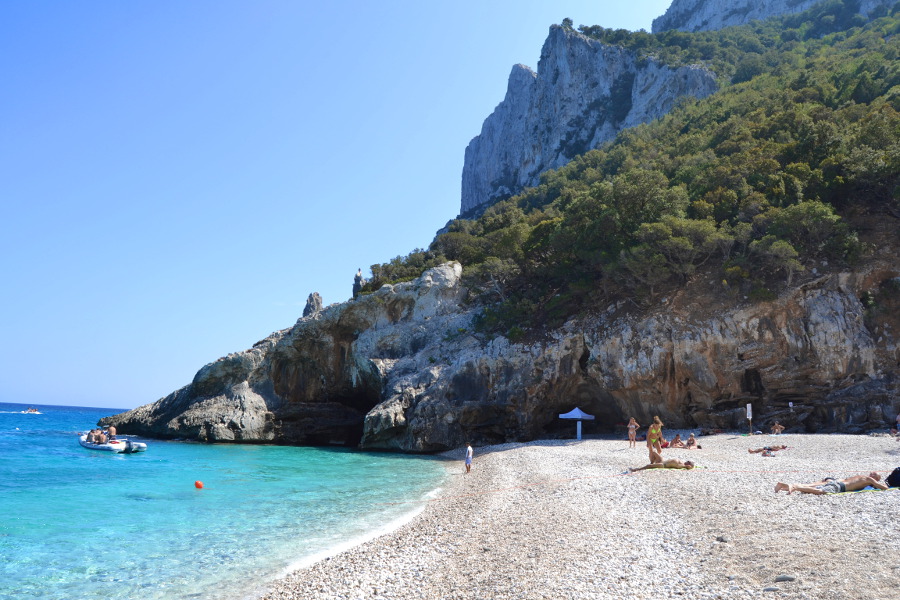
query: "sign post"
750, 417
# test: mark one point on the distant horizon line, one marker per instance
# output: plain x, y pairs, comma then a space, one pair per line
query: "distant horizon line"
36, 405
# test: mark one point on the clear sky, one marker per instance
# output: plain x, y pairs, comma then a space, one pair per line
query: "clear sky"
176, 177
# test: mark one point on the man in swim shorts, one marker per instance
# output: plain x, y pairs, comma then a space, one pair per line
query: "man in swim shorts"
469, 455
830, 485
767, 450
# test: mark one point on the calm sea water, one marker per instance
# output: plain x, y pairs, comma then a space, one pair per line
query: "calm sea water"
83, 524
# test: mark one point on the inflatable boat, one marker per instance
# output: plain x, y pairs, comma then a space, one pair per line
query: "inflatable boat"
123, 446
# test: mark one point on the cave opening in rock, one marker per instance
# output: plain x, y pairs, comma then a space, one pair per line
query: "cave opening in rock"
583, 360
751, 383
591, 399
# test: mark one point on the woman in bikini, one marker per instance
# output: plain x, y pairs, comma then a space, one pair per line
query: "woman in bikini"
633, 426
654, 435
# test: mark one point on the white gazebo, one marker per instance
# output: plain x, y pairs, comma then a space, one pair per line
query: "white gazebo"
579, 415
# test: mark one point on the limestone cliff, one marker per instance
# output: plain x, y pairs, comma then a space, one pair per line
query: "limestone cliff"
583, 93
707, 15
402, 369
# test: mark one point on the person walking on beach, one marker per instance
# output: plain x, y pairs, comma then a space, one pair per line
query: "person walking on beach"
654, 435
469, 455
830, 485
633, 426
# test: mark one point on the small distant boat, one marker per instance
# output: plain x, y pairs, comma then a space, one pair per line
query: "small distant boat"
122, 446
31, 411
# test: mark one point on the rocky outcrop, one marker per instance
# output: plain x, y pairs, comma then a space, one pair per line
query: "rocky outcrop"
707, 15
313, 304
583, 93
401, 369
313, 383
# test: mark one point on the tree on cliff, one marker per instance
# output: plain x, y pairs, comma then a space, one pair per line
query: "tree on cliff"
754, 180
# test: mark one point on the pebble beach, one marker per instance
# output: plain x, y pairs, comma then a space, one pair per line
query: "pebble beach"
565, 519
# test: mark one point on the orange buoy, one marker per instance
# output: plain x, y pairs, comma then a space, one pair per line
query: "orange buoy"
198, 485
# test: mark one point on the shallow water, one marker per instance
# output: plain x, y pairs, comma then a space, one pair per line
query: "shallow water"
77, 523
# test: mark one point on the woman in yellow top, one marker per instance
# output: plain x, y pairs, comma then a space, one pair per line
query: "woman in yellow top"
654, 435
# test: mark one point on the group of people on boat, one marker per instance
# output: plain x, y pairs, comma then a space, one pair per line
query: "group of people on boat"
98, 436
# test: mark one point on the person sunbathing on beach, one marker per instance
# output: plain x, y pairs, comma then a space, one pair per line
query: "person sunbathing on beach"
691, 443
657, 462
767, 450
676, 442
669, 463
777, 428
830, 485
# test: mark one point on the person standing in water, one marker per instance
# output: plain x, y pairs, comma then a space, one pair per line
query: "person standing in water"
654, 435
633, 426
469, 455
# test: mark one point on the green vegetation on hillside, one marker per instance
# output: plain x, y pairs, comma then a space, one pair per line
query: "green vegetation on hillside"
752, 181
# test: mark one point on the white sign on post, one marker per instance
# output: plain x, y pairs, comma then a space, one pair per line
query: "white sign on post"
749, 412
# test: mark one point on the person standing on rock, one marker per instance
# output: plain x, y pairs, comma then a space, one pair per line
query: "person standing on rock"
633, 426
654, 435
357, 283
469, 455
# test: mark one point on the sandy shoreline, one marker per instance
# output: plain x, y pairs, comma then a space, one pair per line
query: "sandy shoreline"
559, 519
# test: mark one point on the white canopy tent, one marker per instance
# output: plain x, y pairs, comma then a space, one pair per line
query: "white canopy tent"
580, 415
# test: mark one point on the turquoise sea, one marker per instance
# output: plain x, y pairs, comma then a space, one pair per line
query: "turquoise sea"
83, 524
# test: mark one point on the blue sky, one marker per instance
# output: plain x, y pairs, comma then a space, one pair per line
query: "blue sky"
177, 177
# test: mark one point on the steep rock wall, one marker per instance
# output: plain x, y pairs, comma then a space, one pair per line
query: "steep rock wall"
583, 93
708, 15
310, 384
401, 369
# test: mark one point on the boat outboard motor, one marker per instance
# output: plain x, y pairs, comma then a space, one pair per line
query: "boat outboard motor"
128, 447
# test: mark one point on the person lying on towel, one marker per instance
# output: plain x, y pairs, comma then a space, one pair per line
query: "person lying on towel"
657, 462
830, 485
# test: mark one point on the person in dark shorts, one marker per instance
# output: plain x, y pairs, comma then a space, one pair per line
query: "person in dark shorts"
830, 485
767, 450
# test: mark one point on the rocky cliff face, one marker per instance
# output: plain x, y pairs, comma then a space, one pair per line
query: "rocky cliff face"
582, 95
707, 15
312, 383
401, 369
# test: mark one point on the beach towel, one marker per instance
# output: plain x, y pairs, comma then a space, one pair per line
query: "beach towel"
868, 488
